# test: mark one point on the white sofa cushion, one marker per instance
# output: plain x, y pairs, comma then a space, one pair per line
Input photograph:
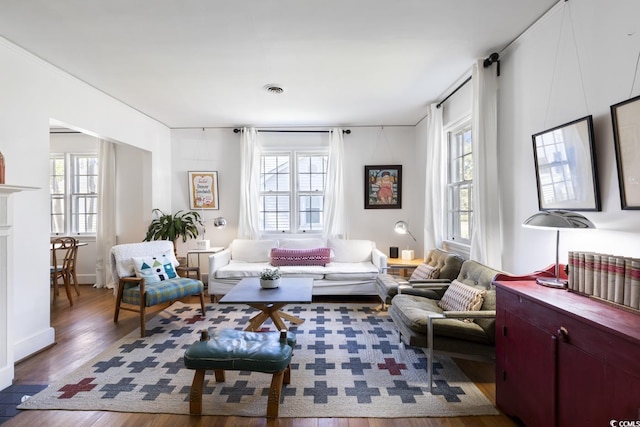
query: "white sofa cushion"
345, 250
251, 250
240, 269
302, 243
350, 271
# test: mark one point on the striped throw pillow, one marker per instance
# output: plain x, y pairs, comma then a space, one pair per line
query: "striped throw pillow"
461, 297
425, 272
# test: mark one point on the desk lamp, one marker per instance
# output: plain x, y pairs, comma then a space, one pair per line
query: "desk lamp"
557, 220
402, 227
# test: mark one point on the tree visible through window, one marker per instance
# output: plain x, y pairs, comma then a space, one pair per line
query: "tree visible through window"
292, 189
74, 193
460, 184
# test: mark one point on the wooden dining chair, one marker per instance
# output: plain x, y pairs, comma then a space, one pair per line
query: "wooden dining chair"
64, 251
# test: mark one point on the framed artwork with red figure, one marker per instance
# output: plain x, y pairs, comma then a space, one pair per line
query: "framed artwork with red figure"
383, 187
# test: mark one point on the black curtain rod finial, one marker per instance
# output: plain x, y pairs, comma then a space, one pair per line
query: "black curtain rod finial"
494, 57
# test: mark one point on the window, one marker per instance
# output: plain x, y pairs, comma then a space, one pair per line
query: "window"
74, 193
292, 188
460, 184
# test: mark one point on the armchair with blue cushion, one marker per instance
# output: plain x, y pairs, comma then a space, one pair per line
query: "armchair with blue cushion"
146, 274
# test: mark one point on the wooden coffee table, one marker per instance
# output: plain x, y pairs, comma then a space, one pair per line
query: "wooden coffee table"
270, 301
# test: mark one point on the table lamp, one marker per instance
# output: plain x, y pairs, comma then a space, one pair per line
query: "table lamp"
402, 227
556, 220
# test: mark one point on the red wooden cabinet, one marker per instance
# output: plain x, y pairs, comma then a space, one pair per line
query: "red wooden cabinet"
564, 359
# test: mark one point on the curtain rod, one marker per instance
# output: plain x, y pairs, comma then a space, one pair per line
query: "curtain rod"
347, 131
494, 58
460, 86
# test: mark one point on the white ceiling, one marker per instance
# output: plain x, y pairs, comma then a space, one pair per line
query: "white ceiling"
204, 63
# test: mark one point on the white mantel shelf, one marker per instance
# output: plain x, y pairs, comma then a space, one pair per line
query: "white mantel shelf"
6, 283
4, 188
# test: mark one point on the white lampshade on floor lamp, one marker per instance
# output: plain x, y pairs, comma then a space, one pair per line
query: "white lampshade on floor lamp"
557, 220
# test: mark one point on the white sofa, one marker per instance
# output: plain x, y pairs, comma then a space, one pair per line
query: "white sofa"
353, 269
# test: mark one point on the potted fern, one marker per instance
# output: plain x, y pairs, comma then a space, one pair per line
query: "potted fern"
182, 224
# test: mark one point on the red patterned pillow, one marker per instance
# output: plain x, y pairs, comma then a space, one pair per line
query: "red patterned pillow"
317, 256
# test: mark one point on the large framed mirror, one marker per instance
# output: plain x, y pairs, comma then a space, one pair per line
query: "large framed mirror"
566, 171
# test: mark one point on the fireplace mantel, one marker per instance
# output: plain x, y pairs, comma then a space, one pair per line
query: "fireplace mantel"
6, 284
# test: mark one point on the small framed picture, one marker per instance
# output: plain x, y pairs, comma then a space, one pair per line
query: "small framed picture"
626, 136
203, 190
383, 187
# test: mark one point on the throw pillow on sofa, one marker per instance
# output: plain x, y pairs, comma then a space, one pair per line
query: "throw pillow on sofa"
461, 297
425, 272
317, 256
251, 250
302, 243
346, 250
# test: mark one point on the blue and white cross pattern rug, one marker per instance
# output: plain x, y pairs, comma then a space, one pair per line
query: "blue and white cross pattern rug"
348, 362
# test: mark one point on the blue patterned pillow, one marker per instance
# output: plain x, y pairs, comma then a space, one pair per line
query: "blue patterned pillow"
156, 268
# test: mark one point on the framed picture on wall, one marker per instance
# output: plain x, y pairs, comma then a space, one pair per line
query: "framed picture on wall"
566, 172
203, 190
626, 137
383, 187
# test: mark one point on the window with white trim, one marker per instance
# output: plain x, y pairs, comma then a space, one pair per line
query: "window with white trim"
460, 184
74, 193
292, 186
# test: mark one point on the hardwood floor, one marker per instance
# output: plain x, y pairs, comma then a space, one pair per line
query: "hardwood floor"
86, 329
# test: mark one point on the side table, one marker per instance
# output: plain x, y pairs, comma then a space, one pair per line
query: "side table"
199, 252
403, 266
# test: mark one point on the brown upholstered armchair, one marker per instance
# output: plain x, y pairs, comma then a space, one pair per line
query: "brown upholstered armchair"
446, 263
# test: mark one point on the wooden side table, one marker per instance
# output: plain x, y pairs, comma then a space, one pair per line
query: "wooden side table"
403, 267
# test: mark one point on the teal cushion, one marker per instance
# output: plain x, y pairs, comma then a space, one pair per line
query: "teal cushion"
155, 268
241, 351
164, 291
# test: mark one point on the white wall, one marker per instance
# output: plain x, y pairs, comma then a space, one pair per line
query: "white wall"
219, 150
535, 95
33, 93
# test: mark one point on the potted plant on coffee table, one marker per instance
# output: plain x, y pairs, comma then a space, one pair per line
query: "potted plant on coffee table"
185, 225
270, 278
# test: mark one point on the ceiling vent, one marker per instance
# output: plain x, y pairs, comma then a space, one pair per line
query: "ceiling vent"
273, 89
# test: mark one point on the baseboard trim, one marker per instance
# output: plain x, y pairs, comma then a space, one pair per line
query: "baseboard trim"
34, 343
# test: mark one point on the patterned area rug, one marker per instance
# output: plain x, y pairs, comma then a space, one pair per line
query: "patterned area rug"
347, 363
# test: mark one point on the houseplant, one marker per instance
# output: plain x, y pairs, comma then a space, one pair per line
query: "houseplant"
270, 278
171, 227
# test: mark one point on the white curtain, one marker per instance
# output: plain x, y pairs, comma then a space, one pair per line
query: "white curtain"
435, 181
334, 215
250, 153
106, 224
486, 240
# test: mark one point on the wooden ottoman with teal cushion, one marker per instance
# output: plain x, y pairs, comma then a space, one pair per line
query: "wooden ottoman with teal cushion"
226, 349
